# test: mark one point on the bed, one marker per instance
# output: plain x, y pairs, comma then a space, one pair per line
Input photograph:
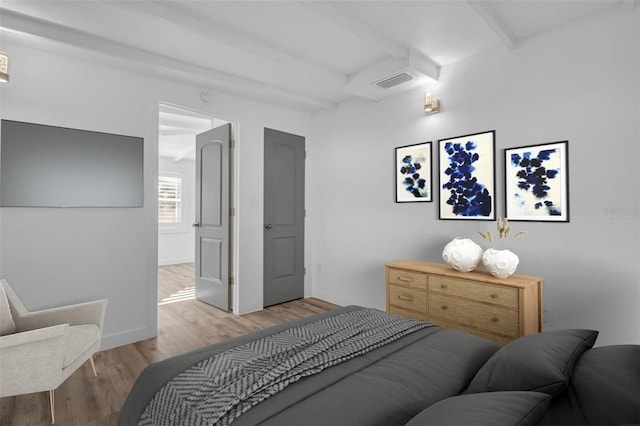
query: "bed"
361, 366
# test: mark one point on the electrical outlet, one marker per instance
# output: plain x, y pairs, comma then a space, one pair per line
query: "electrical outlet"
546, 317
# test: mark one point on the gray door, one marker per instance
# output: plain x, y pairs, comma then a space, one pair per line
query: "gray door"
283, 217
212, 216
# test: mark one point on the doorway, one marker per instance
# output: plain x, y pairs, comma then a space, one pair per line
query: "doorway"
178, 201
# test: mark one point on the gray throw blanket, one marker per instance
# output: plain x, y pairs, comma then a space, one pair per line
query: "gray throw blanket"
219, 389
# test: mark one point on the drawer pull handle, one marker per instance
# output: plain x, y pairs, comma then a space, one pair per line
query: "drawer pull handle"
407, 298
405, 279
443, 286
444, 307
494, 296
494, 319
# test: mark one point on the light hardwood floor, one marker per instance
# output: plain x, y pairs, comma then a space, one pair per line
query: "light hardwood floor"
184, 324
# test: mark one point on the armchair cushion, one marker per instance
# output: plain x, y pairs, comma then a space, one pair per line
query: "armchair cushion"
80, 339
31, 361
7, 325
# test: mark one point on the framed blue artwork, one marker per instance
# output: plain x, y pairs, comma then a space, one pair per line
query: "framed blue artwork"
413, 173
537, 182
467, 176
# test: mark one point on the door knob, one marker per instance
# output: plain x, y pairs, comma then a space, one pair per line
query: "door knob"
268, 226
196, 225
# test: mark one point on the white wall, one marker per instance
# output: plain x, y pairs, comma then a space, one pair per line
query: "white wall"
578, 84
176, 243
60, 256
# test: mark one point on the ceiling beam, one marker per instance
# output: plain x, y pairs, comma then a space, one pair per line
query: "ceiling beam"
187, 151
494, 23
178, 14
185, 121
160, 66
370, 35
172, 131
339, 16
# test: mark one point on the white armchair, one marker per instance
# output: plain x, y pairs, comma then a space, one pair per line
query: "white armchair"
39, 350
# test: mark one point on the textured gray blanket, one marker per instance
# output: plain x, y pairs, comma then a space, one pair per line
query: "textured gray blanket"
220, 388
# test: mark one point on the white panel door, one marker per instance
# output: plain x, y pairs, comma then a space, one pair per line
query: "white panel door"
212, 216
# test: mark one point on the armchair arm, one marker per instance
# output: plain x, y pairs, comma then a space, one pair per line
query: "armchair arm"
32, 361
33, 336
81, 313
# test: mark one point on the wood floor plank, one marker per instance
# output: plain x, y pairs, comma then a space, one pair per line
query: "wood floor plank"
184, 324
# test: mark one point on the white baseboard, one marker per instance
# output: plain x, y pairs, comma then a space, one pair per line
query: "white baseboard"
126, 337
332, 298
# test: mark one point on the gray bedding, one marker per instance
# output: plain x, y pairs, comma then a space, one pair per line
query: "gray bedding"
386, 386
222, 387
439, 376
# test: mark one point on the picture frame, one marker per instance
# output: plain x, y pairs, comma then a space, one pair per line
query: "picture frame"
467, 176
413, 171
537, 182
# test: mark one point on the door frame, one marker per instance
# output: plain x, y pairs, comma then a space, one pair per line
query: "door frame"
233, 190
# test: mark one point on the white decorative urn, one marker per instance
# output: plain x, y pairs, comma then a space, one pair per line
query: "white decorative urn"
462, 254
500, 263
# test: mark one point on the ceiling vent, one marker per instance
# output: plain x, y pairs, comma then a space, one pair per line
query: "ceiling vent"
394, 80
393, 76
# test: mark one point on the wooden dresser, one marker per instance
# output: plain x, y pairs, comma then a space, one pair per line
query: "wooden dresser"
499, 309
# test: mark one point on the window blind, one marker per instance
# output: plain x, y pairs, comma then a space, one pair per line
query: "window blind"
169, 199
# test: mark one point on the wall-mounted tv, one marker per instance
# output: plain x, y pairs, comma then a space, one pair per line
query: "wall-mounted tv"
48, 166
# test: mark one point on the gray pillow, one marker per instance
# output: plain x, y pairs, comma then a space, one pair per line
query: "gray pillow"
540, 362
606, 384
482, 409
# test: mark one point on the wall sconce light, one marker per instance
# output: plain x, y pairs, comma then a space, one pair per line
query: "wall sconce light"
4, 67
431, 106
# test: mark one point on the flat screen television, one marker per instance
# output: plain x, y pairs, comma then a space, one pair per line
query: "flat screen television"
49, 166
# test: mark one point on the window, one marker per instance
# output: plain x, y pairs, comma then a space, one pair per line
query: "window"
169, 200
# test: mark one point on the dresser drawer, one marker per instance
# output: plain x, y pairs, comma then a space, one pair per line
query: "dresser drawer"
503, 296
503, 340
407, 278
408, 298
412, 314
495, 319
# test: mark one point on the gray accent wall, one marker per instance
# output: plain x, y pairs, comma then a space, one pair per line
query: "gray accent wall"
51, 166
579, 84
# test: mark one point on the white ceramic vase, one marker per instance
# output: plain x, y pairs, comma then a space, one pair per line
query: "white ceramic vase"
500, 263
462, 254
